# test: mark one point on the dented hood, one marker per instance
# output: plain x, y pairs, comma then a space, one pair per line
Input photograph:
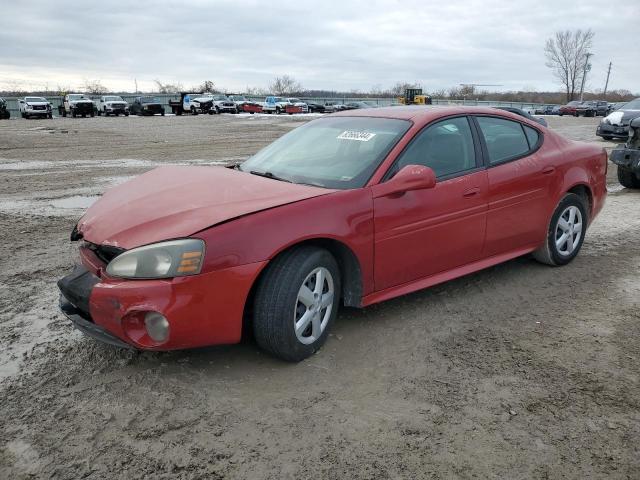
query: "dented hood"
173, 202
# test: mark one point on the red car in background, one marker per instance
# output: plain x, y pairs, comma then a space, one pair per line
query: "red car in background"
570, 108
350, 209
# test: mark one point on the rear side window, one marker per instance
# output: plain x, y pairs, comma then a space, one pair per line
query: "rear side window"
532, 135
505, 139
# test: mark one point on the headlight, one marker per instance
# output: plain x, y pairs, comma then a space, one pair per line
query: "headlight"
175, 258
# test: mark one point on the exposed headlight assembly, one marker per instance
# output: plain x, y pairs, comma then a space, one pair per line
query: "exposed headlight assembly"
175, 258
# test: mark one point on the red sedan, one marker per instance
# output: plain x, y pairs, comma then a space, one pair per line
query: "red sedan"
570, 108
350, 209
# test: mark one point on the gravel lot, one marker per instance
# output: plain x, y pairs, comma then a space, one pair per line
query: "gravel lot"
519, 371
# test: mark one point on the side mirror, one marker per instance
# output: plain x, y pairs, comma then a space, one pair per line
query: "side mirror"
411, 177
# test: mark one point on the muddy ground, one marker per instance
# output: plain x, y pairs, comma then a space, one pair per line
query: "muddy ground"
519, 371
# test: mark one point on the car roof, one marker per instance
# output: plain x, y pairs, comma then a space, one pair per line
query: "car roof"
420, 113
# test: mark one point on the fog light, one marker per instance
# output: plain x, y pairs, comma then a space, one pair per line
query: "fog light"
157, 326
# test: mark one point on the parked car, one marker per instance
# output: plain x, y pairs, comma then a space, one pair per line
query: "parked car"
592, 108
4, 110
245, 105
112, 105
524, 114
545, 110
75, 104
180, 266
569, 108
222, 104
556, 110
34, 107
146, 106
358, 105
616, 124
296, 102
315, 107
627, 157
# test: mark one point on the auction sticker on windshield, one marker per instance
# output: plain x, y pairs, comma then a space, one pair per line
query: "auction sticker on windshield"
354, 135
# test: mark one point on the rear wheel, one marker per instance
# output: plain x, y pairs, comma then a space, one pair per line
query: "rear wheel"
193, 110
565, 233
296, 303
628, 178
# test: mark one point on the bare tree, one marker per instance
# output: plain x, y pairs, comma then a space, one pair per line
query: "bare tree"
285, 85
566, 54
168, 87
94, 87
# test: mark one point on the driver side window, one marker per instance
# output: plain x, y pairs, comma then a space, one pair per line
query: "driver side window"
446, 147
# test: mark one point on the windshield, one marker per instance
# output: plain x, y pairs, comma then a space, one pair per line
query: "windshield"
237, 98
113, 98
340, 152
220, 97
294, 100
575, 102
77, 96
34, 99
149, 100
632, 105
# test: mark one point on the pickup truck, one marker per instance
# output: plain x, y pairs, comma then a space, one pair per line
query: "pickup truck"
34, 107
75, 104
146, 106
4, 110
112, 105
244, 105
222, 103
193, 103
279, 105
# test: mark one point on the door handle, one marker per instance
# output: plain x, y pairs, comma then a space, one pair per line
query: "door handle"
471, 192
548, 170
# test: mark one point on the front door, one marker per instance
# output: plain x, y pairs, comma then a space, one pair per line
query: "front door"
423, 232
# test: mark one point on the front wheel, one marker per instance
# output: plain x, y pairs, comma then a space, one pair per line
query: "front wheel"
628, 178
565, 233
296, 302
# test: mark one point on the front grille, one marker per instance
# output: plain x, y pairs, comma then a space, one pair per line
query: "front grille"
106, 253
39, 107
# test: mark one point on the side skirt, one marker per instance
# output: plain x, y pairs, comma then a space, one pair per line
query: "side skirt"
441, 277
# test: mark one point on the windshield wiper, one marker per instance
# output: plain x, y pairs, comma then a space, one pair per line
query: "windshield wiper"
269, 175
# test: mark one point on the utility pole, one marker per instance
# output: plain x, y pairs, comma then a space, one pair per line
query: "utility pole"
136, 82
607, 82
584, 73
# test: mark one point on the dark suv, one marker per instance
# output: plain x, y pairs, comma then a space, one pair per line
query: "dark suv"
593, 108
146, 106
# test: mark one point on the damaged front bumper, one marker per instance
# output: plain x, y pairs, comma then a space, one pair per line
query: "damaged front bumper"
75, 291
612, 131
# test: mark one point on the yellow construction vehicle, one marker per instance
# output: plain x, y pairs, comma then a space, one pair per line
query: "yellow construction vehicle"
414, 96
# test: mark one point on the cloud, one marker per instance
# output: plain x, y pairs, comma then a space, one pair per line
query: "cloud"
331, 44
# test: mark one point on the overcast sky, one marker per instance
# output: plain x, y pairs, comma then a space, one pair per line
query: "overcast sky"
344, 45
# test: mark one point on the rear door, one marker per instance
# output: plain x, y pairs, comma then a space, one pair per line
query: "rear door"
520, 179
423, 232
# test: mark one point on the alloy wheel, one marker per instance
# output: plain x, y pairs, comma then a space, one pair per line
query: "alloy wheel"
568, 230
313, 305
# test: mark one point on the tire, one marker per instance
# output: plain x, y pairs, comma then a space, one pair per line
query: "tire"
194, 111
217, 110
50, 116
628, 178
277, 303
92, 114
576, 114
73, 113
560, 114
64, 113
277, 110
126, 114
554, 251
